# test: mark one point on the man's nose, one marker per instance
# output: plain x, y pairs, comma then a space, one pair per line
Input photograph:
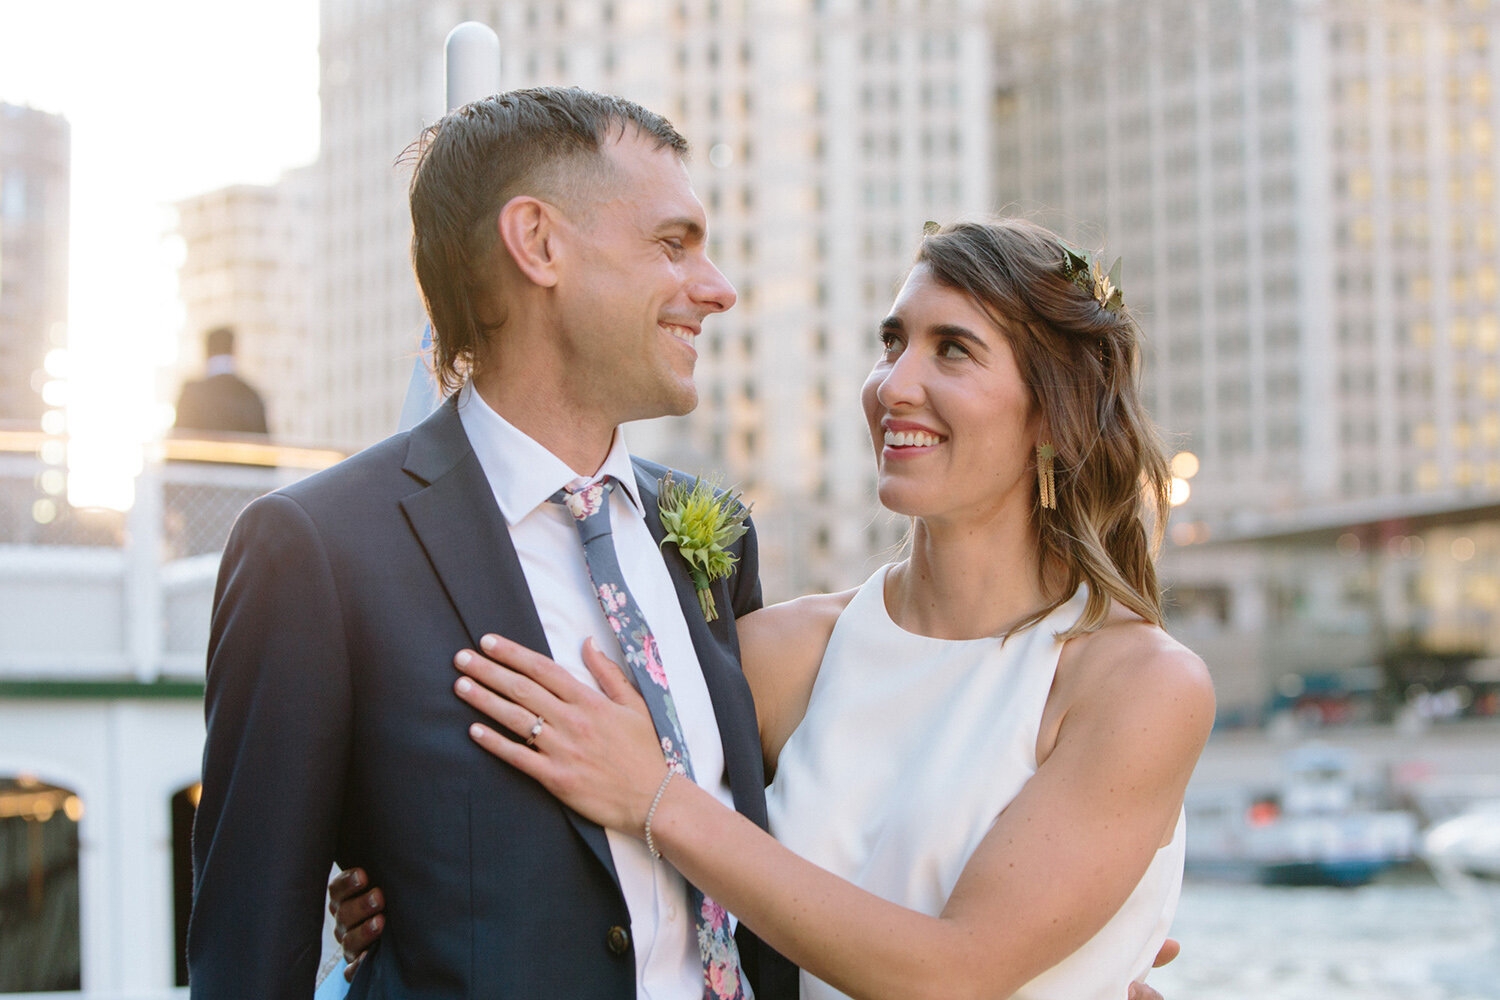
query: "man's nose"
711, 289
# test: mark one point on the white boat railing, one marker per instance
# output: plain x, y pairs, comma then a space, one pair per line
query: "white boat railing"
103, 595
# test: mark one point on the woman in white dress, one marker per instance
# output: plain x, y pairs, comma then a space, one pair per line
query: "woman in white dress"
978, 757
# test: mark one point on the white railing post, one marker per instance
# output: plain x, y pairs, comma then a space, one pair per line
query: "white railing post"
471, 64
144, 621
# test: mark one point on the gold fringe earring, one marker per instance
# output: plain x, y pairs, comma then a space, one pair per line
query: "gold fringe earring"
1046, 485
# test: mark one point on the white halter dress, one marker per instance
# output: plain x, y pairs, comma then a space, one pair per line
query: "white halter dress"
910, 748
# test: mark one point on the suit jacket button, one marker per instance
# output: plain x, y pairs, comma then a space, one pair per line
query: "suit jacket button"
618, 940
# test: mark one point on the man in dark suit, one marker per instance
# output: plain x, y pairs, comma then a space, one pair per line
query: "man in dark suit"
562, 256
220, 402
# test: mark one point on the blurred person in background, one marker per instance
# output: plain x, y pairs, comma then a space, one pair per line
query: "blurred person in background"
220, 402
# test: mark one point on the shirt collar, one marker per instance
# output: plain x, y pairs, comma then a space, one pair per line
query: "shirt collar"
219, 364
522, 473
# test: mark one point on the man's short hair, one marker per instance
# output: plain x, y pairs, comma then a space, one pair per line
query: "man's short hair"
219, 340
544, 141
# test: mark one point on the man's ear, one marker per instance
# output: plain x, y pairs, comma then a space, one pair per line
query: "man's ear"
528, 228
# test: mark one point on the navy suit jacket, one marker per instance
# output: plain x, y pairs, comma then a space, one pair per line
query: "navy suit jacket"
334, 733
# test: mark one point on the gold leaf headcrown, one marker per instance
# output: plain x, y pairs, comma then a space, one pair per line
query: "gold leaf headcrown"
1084, 270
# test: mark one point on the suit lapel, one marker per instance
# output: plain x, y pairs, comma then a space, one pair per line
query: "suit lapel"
464, 535
460, 527
734, 707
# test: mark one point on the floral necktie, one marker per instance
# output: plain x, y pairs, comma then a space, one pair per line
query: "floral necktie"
589, 505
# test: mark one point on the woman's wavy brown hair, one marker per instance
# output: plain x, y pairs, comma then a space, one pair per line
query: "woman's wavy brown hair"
1082, 365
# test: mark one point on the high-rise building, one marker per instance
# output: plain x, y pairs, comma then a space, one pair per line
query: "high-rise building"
381, 81
246, 261
825, 134
34, 170
1304, 195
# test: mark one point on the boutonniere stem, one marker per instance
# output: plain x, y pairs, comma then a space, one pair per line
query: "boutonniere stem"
702, 523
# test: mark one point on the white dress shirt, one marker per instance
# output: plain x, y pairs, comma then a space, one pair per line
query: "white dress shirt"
523, 475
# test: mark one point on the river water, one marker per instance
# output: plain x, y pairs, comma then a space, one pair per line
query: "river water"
1403, 938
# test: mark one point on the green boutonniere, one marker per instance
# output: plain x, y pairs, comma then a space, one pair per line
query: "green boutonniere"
702, 526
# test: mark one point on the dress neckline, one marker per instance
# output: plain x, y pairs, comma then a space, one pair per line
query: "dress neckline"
879, 579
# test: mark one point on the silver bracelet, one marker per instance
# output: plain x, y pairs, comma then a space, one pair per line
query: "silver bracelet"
651, 813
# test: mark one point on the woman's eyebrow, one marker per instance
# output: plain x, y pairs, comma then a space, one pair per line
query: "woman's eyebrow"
957, 332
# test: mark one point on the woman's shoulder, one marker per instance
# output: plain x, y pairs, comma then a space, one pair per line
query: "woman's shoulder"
783, 644
800, 618
1130, 669
1128, 643
781, 649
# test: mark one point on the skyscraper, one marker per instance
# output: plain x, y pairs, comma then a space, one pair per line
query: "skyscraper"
33, 253
1304, 194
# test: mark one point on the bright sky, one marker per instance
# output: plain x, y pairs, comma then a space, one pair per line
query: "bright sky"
166, 98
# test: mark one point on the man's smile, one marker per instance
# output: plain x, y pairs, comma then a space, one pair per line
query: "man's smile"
682, 333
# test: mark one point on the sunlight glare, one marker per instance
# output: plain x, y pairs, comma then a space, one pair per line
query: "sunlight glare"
1179, 492
110, 418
